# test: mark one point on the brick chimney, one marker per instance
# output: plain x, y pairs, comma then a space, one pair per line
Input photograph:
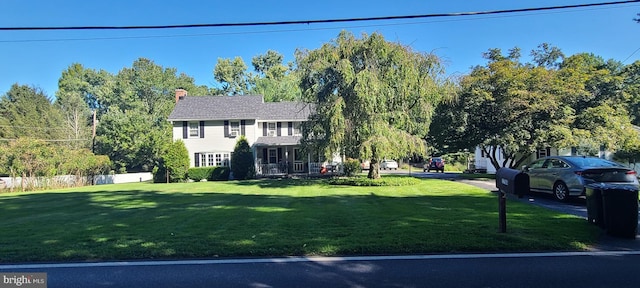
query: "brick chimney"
180, 94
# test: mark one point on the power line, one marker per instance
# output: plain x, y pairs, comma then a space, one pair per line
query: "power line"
276, 31
308, 22
48, 140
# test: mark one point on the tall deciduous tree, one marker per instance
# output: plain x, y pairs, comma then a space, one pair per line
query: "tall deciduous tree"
372, 99
275, 81
233, 76
133, 129
511, 109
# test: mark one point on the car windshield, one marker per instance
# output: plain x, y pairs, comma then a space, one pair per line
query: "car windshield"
587, 162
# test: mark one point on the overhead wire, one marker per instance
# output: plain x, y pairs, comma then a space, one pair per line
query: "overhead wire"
319, 21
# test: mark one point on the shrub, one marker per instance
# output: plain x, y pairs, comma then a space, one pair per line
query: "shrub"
219, 174
199, 173
242, 163
176, 160
159, 174
209, 173
352, 167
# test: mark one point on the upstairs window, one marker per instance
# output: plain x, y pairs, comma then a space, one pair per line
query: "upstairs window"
194, 129
297, 129
234, 128
272, 129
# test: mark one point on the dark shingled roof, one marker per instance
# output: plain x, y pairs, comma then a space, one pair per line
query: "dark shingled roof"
236, 108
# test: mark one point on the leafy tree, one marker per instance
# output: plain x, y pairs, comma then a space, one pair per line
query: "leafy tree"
631, 90
278, 82
233, 76
27, 112
547, 56
373, 99
242, 164
133, 128
94, 87
514, 109
176, 161
129, 140
269, 64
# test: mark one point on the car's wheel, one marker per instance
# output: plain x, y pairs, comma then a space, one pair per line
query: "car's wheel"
561, 192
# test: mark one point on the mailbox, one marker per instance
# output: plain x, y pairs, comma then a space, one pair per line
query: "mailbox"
512, 181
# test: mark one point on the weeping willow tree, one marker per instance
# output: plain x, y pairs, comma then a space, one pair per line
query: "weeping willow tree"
372, 99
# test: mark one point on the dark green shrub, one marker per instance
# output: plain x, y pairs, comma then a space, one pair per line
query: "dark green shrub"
351, 167
209, 173
159, 173
242, 162
219, 174
199, 173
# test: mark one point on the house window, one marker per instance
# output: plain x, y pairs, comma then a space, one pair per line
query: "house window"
222, 159
215, 159
297, 129
234, 129
194, 129
271, 129
542, 153
273, 156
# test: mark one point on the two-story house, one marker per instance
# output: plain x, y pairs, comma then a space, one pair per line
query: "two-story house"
210, 127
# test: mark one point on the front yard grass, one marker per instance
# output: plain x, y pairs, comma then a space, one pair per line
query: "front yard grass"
273, 218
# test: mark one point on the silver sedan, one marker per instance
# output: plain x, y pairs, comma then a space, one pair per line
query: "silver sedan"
566, 176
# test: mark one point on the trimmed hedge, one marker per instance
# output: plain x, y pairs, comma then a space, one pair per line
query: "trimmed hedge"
209, 173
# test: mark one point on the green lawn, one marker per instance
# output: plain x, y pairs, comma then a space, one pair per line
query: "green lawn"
272, 218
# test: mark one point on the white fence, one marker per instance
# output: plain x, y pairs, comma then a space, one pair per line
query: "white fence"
71, 179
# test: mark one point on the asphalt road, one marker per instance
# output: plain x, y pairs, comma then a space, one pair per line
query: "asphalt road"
567, 270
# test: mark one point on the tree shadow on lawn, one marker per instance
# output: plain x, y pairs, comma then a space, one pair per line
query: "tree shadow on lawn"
142, 224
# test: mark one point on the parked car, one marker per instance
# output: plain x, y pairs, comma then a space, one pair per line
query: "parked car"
435, 163
566, 176
365, 165
389, 164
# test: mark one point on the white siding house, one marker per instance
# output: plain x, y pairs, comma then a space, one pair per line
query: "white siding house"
210, 127
482, 161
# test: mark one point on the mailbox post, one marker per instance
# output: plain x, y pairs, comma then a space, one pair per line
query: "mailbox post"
509, 181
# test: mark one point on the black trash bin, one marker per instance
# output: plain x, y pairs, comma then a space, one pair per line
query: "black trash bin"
594, 205
614, 207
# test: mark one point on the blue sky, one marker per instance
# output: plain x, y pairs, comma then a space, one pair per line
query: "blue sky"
38, 57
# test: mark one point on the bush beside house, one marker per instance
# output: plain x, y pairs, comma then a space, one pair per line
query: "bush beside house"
210, 173
352, 167
242, 163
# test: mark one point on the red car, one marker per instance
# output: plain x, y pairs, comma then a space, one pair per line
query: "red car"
435, 163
